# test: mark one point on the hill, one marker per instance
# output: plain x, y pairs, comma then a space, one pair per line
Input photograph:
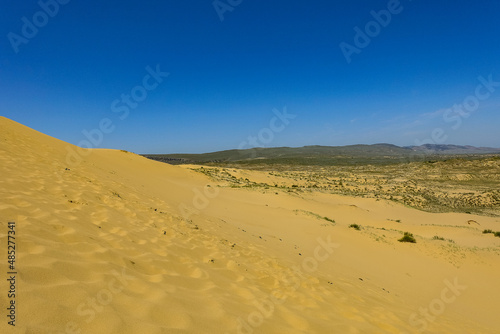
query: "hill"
327, 155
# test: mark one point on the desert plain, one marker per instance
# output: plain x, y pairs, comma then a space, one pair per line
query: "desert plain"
108, 241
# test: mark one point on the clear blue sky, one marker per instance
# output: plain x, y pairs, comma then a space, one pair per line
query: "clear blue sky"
226, 77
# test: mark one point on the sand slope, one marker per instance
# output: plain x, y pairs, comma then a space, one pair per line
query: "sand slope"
110, 242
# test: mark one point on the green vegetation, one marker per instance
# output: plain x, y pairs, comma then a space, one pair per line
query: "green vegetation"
468, 183
355, 226
408, 237
329, 220
351, 155
437, 238
496, 234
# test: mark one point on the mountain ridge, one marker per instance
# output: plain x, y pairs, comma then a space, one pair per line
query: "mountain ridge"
376, 152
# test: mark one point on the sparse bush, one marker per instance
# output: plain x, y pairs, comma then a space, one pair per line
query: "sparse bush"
487, 231
497, 234
329, 220
355, 226
408, 237
437, 238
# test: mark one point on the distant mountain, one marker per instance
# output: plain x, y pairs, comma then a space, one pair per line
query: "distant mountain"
316, 154
454, 149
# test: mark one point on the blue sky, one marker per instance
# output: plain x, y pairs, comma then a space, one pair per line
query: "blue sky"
226, 76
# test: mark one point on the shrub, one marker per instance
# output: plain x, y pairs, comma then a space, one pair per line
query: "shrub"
329, 220
355, 226
408, 237
488, 231
437, 238
497, 234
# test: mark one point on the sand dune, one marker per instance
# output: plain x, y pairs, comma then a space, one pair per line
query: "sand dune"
110, 242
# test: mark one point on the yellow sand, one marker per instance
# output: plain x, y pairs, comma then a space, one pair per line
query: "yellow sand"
114, 243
